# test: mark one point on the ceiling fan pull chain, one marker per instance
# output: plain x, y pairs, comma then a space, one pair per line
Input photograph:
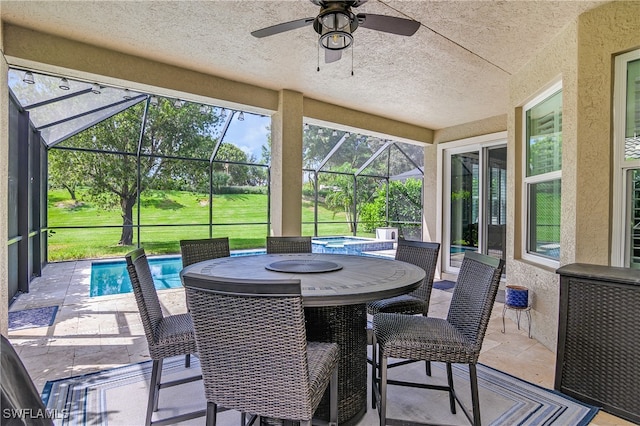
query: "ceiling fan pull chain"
318, 57
352, 53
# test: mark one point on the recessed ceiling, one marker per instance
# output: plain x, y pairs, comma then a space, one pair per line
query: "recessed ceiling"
454, 70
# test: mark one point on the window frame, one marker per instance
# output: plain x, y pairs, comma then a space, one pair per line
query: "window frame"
528, 181
620, 236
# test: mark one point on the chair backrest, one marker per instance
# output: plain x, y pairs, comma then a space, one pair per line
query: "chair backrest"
474, 295
252, 346
424, 255
194, 251
145, 293
288, 245
18, 391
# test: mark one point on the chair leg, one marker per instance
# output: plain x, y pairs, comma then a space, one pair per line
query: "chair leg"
153, 390
427, 367
452, 396
383, 391
156, 384
333, 398
374, 362
475, 401
187, 361
212, 411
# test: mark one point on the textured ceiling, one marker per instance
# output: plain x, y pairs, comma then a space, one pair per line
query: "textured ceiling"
454, 70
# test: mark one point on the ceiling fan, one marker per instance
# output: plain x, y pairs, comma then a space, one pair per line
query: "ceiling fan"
336, 23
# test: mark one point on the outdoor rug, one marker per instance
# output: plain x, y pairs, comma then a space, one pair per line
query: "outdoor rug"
119, 397
30, 318
444, 285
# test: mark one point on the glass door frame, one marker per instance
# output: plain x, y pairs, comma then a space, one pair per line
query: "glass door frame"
480, 144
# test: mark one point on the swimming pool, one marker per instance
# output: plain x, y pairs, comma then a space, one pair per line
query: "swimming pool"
349, 245
111, 277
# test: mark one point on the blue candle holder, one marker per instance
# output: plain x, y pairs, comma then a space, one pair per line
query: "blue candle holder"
517, 296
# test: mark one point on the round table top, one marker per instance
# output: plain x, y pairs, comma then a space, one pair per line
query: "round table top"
359, 279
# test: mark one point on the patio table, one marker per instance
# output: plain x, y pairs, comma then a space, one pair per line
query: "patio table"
335, 290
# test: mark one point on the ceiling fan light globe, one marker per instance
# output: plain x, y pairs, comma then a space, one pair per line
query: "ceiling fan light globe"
336, 40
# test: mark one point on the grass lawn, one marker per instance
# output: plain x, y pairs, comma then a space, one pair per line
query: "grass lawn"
241, 217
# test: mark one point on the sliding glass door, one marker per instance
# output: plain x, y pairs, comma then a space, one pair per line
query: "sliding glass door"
475, 202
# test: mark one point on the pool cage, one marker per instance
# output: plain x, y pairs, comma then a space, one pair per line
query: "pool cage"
68, 137
377, 182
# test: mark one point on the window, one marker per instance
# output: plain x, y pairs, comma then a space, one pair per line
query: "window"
542, 177
626, 196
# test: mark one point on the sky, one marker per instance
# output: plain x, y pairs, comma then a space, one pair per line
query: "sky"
249, 135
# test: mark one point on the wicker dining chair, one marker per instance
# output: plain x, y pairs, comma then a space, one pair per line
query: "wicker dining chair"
167, 336
253, 349
194, 251
288, 245
456, 339
424, 255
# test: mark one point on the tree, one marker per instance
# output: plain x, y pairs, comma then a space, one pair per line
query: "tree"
404, 204
112, 175
237, 174
340, 198
63, 172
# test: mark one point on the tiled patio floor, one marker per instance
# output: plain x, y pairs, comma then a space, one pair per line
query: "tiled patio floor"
92, 334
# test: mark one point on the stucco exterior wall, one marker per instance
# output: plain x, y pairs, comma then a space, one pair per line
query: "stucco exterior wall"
556, 61
602, 34
582, 57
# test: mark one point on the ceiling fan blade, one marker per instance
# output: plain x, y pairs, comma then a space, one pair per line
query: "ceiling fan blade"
388, 24
280, 28
332, 55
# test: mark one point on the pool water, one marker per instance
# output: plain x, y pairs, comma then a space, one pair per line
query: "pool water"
111, 277
339, 241
349, 245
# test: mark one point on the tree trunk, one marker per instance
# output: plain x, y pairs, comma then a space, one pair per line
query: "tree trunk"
349, 218
127, 203
71, 190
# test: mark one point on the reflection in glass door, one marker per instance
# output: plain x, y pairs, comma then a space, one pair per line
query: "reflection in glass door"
496, 206
465, 208
477, 203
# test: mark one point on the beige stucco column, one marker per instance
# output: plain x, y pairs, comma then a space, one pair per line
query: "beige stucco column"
430, 193
4, 184
286, 165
